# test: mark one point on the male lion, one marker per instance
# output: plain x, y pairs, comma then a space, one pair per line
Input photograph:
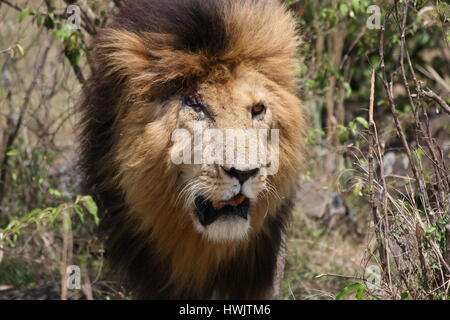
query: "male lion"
180, 230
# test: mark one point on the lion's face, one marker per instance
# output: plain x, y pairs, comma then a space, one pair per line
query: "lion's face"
229, 188
220, 192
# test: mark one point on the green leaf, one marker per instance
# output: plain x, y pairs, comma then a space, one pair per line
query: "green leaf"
23, 14
11, 153
75, 57
356, 4
38, 18
429, 232
54, 192
381, 102
357, 287
405, 296
357, 190
348, 89
53, 214
344, 135
352, 126
63, 34
363, 122
344, 9
72, 42
20, 50
419, 153
92, 208
79, 211
360, 292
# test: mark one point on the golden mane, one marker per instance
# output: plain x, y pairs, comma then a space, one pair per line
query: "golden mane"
151, 50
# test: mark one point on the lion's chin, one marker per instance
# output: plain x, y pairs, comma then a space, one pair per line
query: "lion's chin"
225, 228
226, 221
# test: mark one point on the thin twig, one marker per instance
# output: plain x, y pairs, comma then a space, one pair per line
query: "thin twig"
441, 102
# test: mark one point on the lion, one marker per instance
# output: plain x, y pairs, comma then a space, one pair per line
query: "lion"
193, 230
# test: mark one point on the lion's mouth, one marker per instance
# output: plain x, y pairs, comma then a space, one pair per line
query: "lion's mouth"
208, 212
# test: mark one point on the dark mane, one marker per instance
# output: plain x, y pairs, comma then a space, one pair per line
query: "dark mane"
197, 24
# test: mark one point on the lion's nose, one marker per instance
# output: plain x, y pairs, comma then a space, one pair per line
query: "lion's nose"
242, 176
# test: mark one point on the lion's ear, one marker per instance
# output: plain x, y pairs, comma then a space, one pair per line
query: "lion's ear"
147, 61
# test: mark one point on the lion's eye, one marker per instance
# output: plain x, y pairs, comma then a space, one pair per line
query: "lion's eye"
190, 101
258, 109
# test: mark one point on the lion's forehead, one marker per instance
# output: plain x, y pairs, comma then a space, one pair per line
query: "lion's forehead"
244, 90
